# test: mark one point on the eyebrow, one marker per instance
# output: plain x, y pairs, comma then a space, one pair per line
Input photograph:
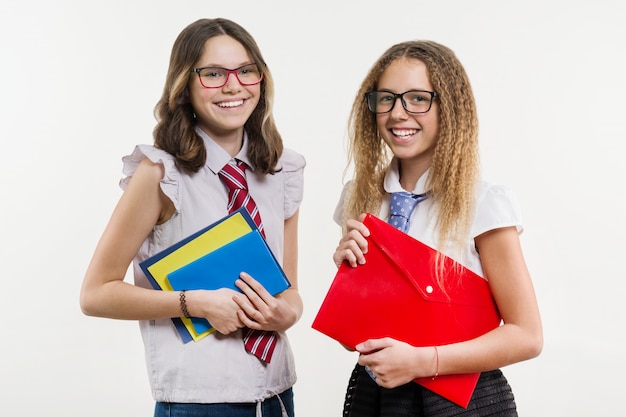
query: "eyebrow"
221, 66
388, 90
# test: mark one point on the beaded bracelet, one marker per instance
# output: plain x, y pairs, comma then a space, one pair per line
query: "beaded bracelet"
436, 363
183, 304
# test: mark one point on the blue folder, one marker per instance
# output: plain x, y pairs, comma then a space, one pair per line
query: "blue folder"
221, 268
189, 249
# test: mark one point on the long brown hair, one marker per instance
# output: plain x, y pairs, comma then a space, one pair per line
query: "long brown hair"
455, 166
175, 129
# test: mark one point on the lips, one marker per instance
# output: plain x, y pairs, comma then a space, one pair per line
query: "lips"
404, 133
230, 104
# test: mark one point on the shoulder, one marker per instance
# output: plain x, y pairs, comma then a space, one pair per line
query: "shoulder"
487, 191
153, 156
149, 170
151, 164
291, 167
346, 190
496, 207
291, 161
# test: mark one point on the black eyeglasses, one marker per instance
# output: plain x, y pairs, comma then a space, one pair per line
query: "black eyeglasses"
413, 101
216, 77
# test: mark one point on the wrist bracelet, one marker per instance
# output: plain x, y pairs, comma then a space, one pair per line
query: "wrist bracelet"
183, 304
436, 363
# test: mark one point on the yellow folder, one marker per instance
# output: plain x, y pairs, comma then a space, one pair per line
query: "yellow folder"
157, 267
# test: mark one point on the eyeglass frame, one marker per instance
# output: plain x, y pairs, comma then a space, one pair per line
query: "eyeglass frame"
400, 96
228, 72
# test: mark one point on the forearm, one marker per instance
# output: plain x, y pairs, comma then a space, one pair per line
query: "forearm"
506, 345
120, 300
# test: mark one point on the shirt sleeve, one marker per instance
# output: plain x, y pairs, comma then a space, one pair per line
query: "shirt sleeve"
293, 171
170, 180
496, 207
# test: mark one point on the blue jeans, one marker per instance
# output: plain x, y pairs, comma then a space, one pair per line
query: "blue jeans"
270, 408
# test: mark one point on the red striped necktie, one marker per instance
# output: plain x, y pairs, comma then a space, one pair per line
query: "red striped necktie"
260, 343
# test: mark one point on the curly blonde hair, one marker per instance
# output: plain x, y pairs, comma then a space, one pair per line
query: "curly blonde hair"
455, 166
175, 129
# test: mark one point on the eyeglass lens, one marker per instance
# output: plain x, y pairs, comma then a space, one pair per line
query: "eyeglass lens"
213, 77
413, 101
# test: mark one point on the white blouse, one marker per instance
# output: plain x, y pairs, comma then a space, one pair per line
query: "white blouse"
215, 369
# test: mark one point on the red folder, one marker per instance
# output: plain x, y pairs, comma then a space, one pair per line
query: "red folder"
395, 294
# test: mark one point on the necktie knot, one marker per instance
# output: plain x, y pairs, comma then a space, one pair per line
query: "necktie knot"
234, 176
401, 206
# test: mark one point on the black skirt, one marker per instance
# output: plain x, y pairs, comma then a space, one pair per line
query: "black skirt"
364, 398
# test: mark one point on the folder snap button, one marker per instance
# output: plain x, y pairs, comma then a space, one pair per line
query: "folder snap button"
429, 289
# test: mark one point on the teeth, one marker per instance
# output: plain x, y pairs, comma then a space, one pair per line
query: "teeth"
230, 103
404, 132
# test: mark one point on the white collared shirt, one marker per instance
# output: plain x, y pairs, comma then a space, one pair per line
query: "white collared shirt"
496, 207
215, 369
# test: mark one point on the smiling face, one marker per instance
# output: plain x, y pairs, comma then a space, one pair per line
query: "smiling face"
221, 112
411, 137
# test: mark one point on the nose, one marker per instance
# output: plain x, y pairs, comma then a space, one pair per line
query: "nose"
232, 82
398, 111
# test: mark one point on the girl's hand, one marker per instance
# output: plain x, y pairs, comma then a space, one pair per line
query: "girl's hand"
396, 363
353, 245
217, 307
260, 310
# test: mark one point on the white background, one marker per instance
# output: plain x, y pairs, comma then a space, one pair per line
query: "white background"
79, 83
